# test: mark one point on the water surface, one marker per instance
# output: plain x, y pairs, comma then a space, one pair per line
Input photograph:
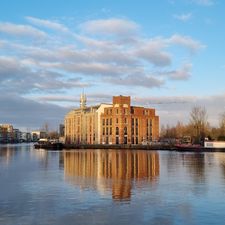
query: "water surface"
110, 187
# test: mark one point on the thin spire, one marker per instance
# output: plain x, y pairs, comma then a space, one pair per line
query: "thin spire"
83, 100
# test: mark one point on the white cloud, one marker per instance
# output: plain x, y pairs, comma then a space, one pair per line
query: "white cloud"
186, 41
183, 73
111, 26
152, 51
137, 80
17, 77
21, 30
183, 17
47, 24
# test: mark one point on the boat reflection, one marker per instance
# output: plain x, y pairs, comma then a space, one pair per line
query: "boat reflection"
111, 172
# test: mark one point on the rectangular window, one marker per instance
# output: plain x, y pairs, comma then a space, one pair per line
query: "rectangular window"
103, 122
125, 140
136, 140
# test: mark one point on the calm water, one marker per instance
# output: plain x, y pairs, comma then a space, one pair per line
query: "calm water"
110, 187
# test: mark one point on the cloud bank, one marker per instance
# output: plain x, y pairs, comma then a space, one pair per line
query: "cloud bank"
43, 58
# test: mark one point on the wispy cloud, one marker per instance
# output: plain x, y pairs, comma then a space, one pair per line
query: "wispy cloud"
183, 17
183, 73
47, 23
21, 30
187, 42
111, 26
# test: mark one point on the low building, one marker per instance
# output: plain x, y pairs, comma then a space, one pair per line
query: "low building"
17, 136
36, 135
7, 134
26, 137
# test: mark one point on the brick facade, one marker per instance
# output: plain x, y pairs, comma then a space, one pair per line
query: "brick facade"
117, 123
126, 124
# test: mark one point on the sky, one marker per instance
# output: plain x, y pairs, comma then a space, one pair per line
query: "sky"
165, 54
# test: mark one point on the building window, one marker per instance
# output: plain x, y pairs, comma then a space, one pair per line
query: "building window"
136, 140
132, 110
103, 122
150, 122
110, 130
117, 111
132, 121
125, 140
103, 131
117, 140
107, 131
110, 121
117, 130
117, 120
107, 122
125, 130
136, 121
132, 130
136, 130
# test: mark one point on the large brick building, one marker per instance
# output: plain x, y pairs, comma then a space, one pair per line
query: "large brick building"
125, 124
117, 123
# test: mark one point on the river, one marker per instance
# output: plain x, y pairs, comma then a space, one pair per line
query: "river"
110, 187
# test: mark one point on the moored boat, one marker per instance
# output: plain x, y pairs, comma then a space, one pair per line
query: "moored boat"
48, 144
189, 147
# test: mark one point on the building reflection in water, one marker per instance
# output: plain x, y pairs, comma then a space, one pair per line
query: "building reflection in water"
111, 170
5, 154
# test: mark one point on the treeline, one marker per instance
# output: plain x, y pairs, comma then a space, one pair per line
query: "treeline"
198, 127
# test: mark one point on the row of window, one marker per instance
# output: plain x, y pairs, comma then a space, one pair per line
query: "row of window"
122, 111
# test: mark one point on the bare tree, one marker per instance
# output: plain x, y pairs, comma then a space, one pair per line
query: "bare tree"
222, 126
198, 122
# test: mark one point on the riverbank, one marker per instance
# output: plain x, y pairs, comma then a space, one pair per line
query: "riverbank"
105, 146
163, 147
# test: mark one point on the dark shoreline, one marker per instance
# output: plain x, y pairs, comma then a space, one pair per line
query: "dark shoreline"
142, 147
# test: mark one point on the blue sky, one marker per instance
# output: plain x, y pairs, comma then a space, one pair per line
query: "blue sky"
166, 54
